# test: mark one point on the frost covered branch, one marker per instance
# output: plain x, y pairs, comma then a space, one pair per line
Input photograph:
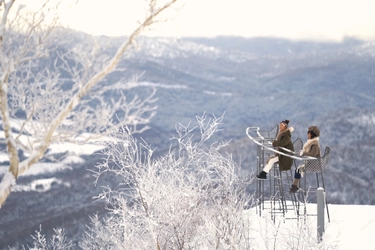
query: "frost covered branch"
190, 198
55, 90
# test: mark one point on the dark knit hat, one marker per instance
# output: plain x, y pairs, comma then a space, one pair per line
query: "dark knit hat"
285, 122
314, 129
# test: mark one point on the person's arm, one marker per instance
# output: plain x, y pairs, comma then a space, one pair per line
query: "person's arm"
314, 151
285, 140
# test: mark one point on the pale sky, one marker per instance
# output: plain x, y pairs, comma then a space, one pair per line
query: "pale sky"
295, 19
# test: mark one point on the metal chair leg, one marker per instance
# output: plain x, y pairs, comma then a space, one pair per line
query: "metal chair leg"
325, 196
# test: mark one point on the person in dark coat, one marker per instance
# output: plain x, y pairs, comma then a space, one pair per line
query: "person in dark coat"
310, 148
283, 140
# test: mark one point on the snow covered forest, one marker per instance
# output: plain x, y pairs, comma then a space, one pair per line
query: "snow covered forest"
139, 142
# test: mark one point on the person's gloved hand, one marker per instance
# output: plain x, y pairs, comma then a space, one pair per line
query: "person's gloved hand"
300, 153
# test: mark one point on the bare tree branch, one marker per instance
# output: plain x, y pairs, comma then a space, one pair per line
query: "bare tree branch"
53, 111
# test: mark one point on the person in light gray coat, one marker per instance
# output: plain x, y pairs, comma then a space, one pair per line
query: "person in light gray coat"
310, 148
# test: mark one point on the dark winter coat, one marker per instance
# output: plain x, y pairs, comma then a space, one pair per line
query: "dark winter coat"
284, 139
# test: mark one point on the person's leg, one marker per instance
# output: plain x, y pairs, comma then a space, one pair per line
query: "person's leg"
297, 177
270, 163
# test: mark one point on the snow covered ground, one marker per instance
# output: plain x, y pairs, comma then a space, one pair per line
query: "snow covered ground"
350, 227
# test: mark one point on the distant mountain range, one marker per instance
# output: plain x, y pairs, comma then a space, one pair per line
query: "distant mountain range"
255, 82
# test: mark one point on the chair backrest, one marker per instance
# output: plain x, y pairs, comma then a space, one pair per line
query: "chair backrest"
319, 164
298, 144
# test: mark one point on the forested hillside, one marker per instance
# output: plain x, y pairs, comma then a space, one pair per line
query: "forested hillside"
253, 82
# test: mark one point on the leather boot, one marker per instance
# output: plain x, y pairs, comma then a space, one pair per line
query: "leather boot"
293, 189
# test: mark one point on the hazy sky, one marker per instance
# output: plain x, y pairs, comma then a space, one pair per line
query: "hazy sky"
296, 19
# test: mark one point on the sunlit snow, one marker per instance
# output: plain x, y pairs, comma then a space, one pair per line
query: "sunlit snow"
350, 227
217, 94
41, 185
67, 163
159, 85
87, 149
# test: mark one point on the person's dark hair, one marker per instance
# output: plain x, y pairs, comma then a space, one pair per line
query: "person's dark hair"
313, 135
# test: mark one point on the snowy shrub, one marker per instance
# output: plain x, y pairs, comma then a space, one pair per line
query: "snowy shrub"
57, 242
191, 198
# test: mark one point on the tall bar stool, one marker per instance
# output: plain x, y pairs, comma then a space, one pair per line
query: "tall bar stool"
264, 137
283, 179
316, 166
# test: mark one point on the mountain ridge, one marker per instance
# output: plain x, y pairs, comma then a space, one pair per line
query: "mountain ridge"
325, 84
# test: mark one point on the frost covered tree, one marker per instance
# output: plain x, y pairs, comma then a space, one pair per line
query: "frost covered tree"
57, 241
55, 90
190, 198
